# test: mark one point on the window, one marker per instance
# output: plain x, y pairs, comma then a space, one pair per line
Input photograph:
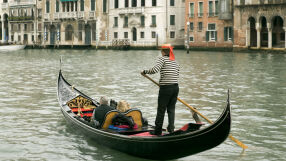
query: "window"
200, 26
191, 26
69, 33
142, 19
115, 22
125, 21
172, 2
201, 9
82, 5
216, 8
126, 35
93, 30
142, 3
211, 9
172, 19
191, 11
115, 35
153, 34
228, 33
172, 34
80, 36
153, 21
47, 6
211, 33
115, 3
142, 35
126, 3
154, 2
25, 27
57, 6
191, 39
92, 5
134, 3
104, 6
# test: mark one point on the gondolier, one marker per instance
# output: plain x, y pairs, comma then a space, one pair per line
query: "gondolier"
169, 88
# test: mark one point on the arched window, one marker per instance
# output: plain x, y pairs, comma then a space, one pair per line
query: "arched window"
69, 33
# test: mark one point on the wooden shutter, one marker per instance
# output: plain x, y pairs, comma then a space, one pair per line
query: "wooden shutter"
207, 35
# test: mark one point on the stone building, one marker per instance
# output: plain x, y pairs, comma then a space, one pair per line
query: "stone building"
147, 22
209, 23
74, 22
23, 21
260, 23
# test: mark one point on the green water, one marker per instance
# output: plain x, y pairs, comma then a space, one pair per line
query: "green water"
33, 128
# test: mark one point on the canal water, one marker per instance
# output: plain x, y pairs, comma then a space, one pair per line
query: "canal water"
33, 128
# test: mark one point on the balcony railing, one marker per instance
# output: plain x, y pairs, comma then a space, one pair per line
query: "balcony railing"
22, 2
21, 18
91, 15
47, 16
4, 5
135, 10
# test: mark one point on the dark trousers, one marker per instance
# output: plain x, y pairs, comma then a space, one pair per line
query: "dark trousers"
166, 101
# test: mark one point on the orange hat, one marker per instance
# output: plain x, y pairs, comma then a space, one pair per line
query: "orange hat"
170, 47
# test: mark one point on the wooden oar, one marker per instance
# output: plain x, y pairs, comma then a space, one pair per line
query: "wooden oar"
193, 109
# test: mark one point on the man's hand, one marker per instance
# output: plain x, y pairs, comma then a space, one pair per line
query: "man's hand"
143, 72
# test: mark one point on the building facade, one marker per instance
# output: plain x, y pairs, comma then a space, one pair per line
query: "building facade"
260, 23
147, 22
73, 22
209, 23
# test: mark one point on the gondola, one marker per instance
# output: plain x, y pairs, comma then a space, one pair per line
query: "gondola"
183, 142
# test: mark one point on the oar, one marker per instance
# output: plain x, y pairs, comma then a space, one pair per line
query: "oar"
193, 109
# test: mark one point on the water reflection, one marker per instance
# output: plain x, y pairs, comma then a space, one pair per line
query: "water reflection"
33, 128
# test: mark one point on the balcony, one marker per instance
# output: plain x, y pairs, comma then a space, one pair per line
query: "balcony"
47, 16
135, 10
22, 3
21, 18
4, 6
91, 15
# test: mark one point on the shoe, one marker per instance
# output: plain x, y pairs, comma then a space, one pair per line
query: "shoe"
154, 133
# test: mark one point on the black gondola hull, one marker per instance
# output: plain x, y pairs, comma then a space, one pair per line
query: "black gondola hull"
165, 147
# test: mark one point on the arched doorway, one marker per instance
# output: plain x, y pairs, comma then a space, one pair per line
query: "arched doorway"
134, 34
53, 33
87, 30
264, 32
278, 34
253, 33
69, 33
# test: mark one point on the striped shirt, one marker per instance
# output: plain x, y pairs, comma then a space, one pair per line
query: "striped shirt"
169, 70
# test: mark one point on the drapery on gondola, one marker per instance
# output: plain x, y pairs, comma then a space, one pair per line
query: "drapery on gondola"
77, 108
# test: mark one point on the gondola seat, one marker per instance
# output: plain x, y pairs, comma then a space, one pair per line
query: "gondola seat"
134, 113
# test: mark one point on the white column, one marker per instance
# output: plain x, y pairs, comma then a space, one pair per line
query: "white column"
247, 36
258, 38
269, 38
